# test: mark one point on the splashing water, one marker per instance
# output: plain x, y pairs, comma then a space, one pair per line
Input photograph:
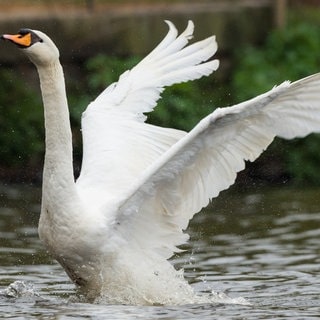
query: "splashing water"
19, 289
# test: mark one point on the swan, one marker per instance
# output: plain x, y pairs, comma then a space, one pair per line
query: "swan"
115, 227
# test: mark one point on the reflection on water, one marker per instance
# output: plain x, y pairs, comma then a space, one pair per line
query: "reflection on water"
263, 246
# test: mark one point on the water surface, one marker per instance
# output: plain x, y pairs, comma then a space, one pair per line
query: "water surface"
259, 245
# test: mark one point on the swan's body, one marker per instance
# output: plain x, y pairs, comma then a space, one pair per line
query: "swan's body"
115, 227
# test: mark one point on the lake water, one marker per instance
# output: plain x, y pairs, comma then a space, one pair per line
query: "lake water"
262, 246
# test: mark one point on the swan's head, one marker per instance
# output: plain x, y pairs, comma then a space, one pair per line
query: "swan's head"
36, 45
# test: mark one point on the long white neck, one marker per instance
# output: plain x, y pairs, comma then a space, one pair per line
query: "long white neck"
58, 168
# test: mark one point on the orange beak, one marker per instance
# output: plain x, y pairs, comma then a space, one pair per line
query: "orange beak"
20, 40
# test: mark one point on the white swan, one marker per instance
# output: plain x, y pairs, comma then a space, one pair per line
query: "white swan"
115, 227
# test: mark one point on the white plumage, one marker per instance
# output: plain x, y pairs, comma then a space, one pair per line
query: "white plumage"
115, 227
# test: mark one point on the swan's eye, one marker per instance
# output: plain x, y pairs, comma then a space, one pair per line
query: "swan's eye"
35, 38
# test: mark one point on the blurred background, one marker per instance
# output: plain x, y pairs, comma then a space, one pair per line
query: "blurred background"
261, 43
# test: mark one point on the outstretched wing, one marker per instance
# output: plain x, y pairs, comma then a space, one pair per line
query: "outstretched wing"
206, 160
117, 144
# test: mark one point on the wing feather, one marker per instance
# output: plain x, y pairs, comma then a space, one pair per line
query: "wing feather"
207, 159
117, 144
171, 43
138, 89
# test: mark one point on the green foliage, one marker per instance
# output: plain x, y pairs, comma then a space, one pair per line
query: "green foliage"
291, 53
104, 70
21, 122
